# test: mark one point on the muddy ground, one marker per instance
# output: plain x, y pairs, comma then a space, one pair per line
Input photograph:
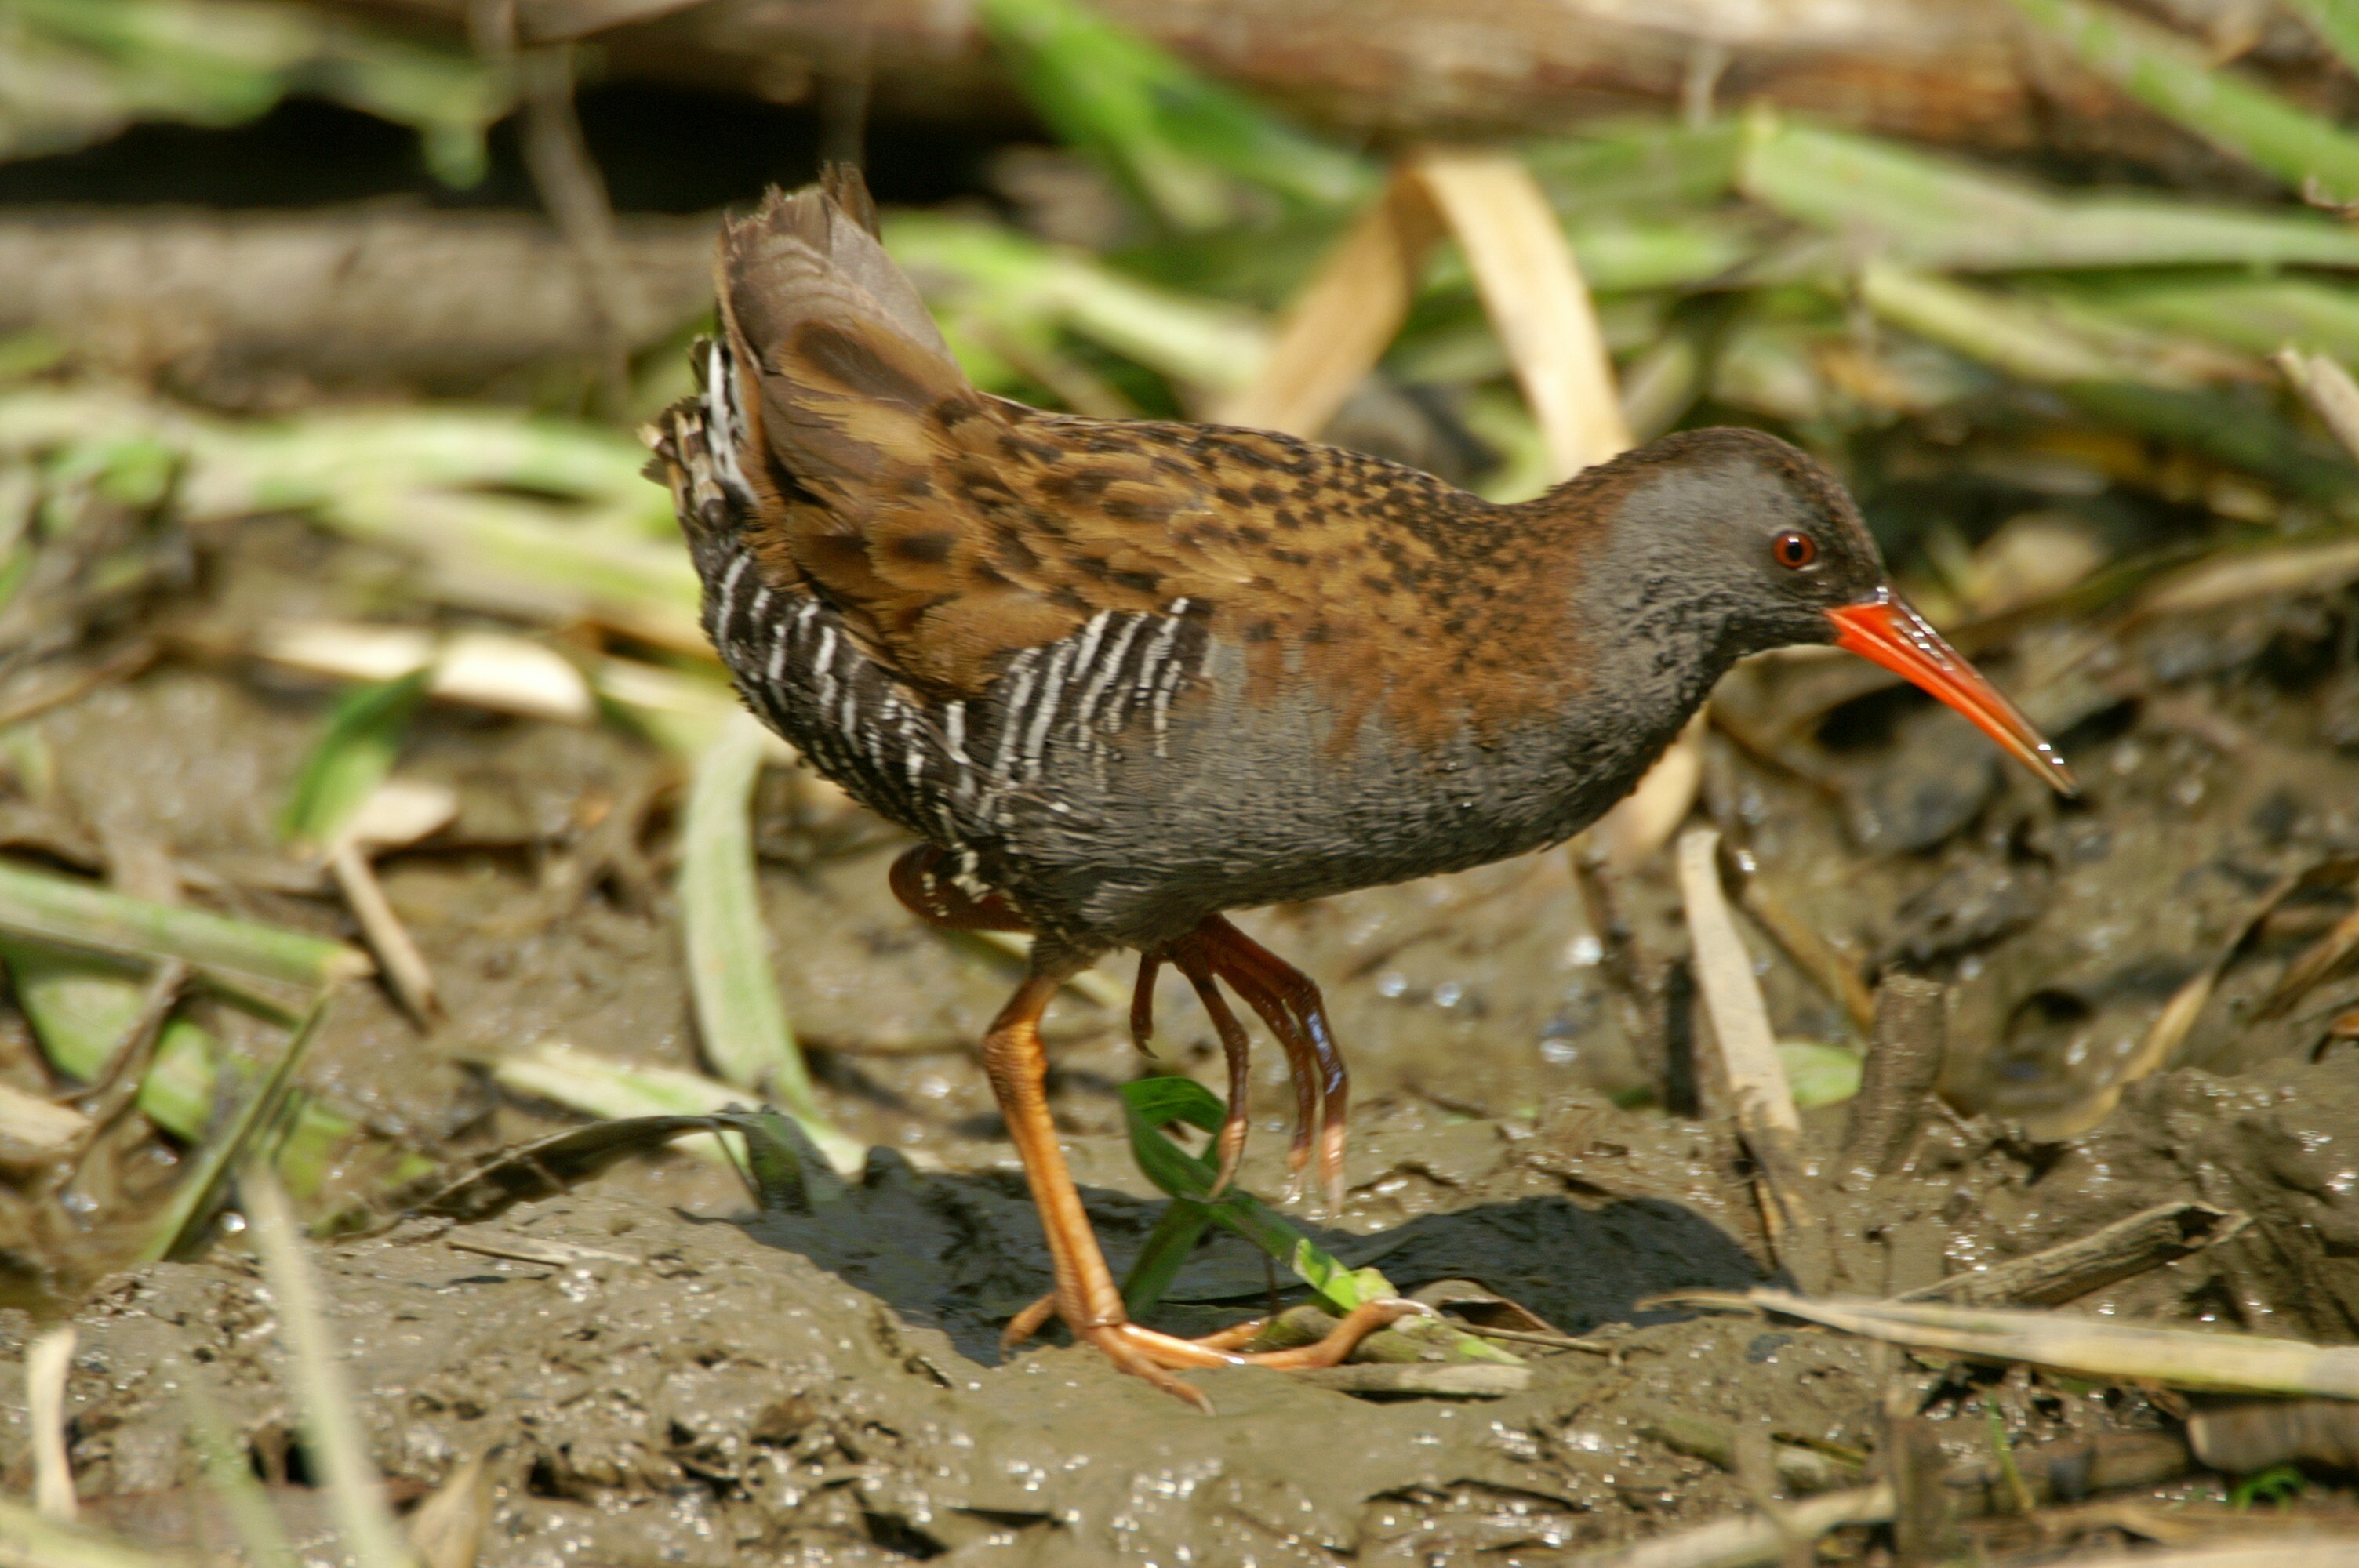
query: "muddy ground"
659, 1373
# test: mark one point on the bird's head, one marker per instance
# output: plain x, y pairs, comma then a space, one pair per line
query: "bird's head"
1752, 535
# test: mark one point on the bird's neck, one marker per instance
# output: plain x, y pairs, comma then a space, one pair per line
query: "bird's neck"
1655, 639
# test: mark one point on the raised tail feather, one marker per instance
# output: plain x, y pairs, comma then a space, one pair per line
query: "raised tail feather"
851, 458
836, 359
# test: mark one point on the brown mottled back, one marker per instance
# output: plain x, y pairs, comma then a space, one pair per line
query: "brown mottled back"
952, 528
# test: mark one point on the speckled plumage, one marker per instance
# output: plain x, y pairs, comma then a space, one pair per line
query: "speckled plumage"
1131, 673
1122, 676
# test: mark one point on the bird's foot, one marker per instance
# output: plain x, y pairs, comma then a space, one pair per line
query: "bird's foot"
1152, 1354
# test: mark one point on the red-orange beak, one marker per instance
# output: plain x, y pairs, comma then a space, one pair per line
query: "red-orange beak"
1886, 631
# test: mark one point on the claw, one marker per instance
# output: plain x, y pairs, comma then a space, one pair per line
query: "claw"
1027, 1323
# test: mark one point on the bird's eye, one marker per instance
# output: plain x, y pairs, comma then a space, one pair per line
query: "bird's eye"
1795, 550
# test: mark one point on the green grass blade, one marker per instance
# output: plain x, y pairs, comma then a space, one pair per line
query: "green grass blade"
1625, 255
178, 1092
2336, 21
199, 1197
309, 462
1170, 136
1170, 1098
980, 272
1163, 1255
77, 914
354, 753
596, 1085
78, 1004
2255, 315
2168, 73
1992, 329
2015, 335
1643, 168
739, 1013
789, 1171
526, 557
1942, 213
1147, 1104
81, 1005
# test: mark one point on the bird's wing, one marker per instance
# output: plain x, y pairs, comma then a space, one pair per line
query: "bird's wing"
952, 528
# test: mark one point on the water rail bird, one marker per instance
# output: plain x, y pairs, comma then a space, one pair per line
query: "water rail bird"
1119, 678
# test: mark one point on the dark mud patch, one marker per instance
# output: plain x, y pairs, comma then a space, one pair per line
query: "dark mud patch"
659, 1386
661, 1376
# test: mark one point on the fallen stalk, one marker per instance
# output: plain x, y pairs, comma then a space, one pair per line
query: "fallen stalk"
48, 1362
79, 915
2121, 1250
1751, 1540
397, 951
355, 1491
1760, 1096
744, 1023
2072, 1345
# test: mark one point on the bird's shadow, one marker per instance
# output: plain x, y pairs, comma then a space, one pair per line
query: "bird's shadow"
963, 1253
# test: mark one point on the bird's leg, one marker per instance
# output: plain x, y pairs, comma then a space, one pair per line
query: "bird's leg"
1142, 999
1289, 1003
1230, 1141
1301, 1065
1086, 1297
919, 881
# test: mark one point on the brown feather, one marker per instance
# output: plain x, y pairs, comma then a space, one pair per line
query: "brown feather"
953, 529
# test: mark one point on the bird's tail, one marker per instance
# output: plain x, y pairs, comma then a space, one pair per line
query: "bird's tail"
828, 359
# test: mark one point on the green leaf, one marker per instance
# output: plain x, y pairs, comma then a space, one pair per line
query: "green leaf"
61, 910
739, 1013
1172, 1097
354, 754
2168, 74
789, 1173
200, 1195
1818, 1074
1166, 1251
1150, 1102
1147, 1104
2279, 1484
1172, 137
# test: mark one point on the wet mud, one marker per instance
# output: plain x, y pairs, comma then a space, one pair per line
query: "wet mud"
659, 1373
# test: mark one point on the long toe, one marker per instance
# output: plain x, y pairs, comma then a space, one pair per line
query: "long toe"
1027, 1323
1344, 1339
1151, 1354
1122, 1344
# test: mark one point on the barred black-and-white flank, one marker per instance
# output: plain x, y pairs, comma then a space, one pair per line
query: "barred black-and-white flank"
964, 773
